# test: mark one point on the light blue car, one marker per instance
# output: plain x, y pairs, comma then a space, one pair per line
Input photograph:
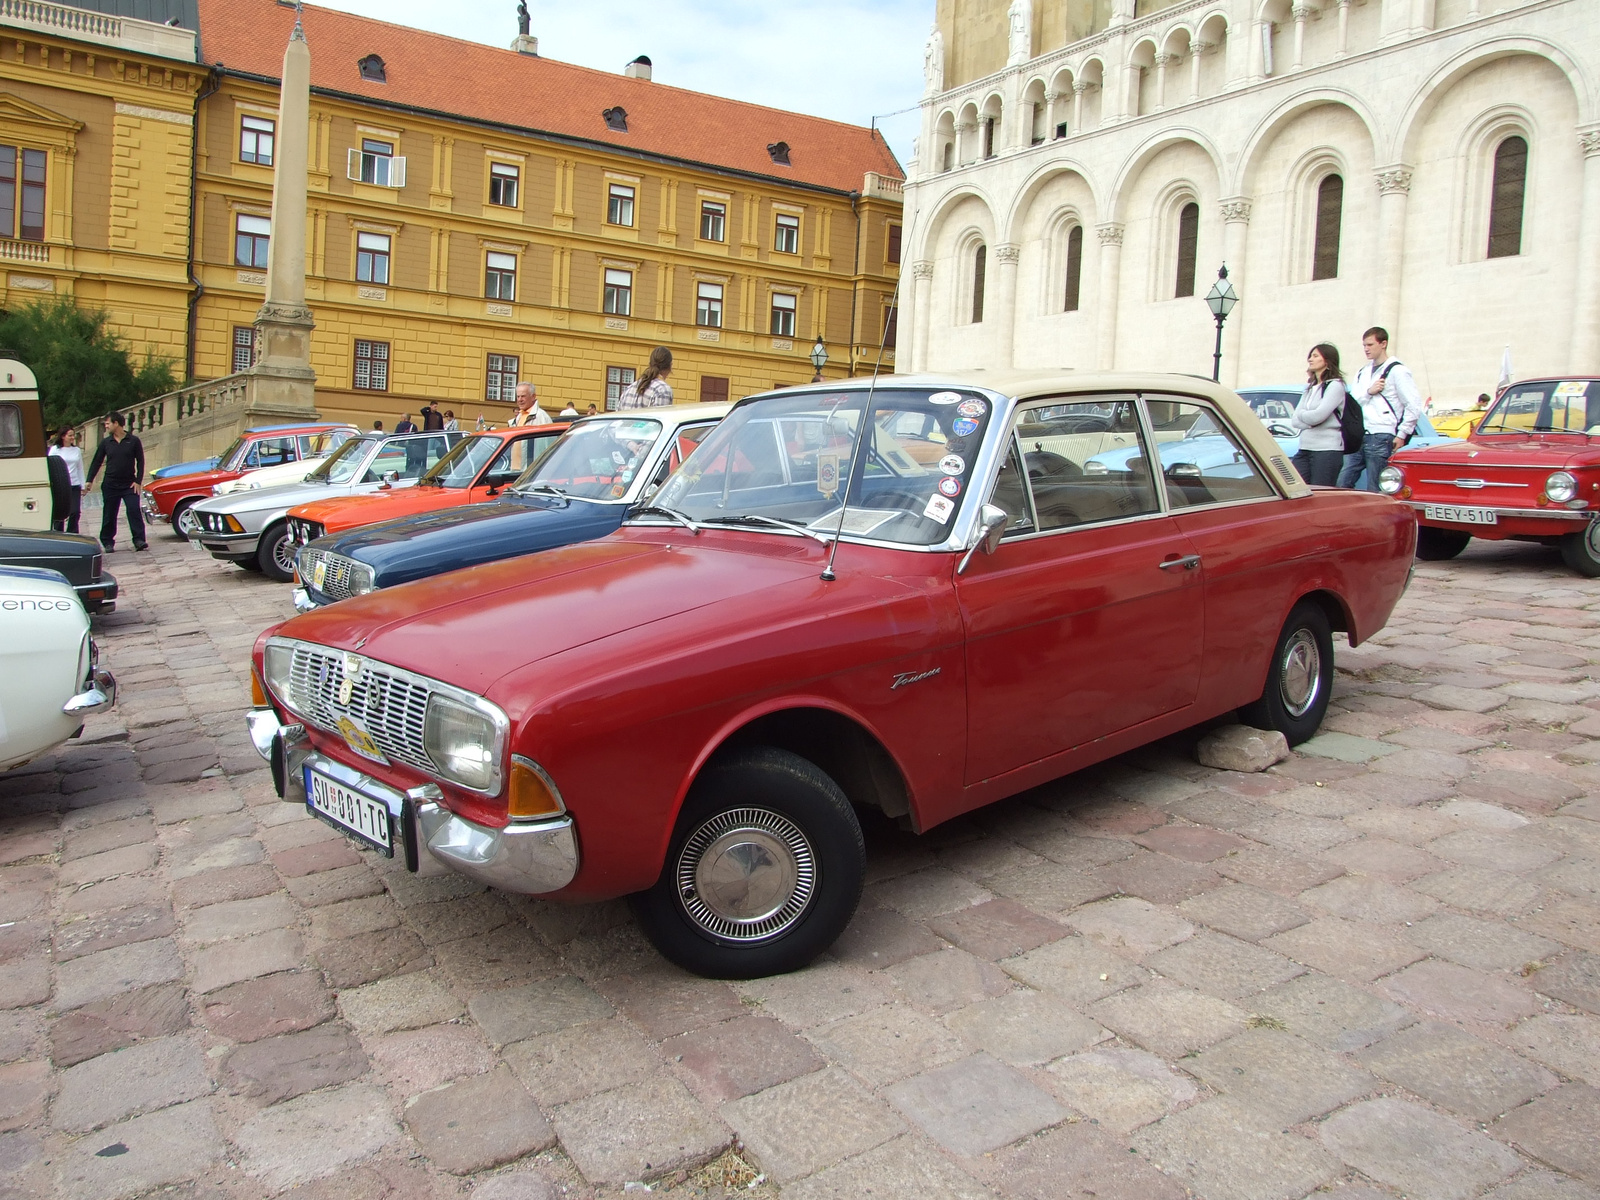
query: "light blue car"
1275, 406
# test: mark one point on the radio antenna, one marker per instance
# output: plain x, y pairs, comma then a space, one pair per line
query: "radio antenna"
866, 419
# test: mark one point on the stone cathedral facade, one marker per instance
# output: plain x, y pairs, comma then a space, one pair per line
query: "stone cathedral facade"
1086, 166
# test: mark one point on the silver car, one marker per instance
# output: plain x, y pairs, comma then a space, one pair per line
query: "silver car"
251, 527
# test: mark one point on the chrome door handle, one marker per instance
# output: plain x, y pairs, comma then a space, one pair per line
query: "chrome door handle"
1188, 562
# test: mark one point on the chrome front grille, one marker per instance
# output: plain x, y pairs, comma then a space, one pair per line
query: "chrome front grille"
335, 574
389, 704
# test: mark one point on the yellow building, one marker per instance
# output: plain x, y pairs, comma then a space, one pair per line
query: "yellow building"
96, 131
478, 215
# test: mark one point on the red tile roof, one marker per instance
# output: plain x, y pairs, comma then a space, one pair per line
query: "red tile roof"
447, 75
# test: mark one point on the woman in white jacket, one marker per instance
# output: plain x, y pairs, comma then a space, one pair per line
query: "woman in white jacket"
1316, 418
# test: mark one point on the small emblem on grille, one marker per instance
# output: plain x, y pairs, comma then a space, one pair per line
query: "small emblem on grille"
359, 740
352, 672
908, 677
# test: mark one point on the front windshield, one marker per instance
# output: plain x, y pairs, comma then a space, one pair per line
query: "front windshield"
594, 460
341, 466
460, 467
1273, 408
1546, 407
232, 456
783, 460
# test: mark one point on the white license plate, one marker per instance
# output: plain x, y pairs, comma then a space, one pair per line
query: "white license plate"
362, 817
1462, 516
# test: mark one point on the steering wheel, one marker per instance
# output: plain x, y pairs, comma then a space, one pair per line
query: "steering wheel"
1046, 462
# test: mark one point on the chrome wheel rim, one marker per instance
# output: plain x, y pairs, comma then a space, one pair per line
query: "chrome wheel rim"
746, 875
188, 523
283, 555
1300, 677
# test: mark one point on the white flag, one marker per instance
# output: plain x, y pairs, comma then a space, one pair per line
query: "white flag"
1505, 372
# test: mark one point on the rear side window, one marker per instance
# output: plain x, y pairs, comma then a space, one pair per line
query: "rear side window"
1201, 460
10, 431
1083, 464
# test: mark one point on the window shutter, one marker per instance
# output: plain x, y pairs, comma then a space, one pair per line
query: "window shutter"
397, 172
352, 164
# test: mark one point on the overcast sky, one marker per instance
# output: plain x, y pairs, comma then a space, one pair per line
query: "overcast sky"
833, 58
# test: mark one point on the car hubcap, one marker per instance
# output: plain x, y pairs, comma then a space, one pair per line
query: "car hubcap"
283, 555
1591, 539
1301, 677
746, 875
188, 523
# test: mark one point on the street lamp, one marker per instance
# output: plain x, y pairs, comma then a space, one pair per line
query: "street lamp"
819, 359
1220, 300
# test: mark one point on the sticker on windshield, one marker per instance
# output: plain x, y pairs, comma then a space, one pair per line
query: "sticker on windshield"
827, 474
939, 509
949, 485
945, 398
972, 408
952, 464
963, 426
1572, 388
617, 490
617, 457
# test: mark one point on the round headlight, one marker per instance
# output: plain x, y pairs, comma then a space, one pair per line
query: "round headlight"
1391, 480
1561, 487
361, 579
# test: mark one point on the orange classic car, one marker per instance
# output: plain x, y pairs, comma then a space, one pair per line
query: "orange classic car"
476, 468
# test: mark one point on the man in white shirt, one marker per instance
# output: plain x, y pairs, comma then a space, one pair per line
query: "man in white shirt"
1391, 406
528, 410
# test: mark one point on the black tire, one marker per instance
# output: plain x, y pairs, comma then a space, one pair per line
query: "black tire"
1581, 551
1436, 545
774, 811
1299, 678
249, 564
275, 553
180, 517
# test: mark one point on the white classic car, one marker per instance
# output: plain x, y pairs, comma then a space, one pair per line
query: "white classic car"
50, 677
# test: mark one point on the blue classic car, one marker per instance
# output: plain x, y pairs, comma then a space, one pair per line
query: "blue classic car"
579, 490
1275, 406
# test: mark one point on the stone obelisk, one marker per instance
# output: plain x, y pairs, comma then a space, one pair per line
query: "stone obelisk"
282, 379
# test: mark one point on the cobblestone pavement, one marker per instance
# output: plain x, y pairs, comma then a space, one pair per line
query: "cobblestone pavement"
1374, 970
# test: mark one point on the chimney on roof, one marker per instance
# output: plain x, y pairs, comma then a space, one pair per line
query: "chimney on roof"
639, 68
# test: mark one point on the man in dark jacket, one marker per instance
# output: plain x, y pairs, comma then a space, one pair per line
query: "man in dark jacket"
123, 458
432, 419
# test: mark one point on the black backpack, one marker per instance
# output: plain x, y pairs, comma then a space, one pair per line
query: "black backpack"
1352, 424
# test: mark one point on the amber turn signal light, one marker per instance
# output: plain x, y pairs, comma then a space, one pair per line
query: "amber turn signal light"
258, 694
533, 794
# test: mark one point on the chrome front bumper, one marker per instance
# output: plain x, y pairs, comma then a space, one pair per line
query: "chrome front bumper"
100, 695
533, 857
1579, 516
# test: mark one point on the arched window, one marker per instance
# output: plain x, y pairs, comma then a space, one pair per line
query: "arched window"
949, 155
1330, 209
1074, 267
980, 266
1188, 242
1505, 204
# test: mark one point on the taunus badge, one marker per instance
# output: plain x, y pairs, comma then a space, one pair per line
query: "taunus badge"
908, 677
352, 672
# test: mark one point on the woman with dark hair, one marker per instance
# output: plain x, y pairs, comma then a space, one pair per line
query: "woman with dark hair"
650, 390
64, 446
1317, 417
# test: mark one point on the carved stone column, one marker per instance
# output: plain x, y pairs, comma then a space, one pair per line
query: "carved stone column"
282, 378
1004, 311
1586, 304
964, 132
921, 314
1078, 89
1050, 121
1110, 235
1394, 190
1344, 28
1196, 50
1163, 61
1301, 14
1235, 213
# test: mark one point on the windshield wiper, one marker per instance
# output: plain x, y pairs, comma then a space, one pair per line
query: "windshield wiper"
673, 513
759, 519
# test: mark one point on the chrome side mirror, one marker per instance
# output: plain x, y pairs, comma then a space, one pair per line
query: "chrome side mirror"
391, 477
992, 521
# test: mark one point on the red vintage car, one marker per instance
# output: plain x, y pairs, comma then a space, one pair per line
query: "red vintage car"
689, 710
169, 497
476, 468
1530, 471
